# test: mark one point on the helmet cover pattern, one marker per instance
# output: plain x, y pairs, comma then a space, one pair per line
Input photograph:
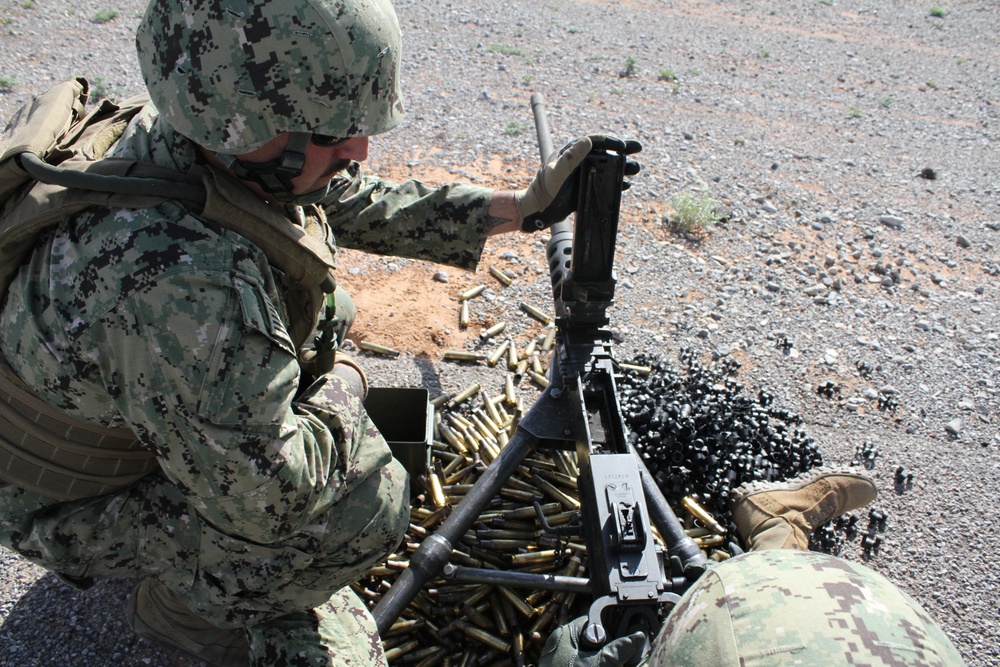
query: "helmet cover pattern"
233, 74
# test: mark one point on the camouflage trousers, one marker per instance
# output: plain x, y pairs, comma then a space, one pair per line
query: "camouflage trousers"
290, 597
790, 607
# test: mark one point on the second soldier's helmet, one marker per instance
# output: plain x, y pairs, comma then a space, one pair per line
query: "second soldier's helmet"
233, 74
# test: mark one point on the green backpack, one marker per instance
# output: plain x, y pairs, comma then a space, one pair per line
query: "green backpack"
52, 165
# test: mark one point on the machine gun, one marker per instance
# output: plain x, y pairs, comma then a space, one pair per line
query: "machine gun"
631, 578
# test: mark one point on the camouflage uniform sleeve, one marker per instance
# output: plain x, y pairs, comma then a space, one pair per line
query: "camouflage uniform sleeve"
200, 364
446, 224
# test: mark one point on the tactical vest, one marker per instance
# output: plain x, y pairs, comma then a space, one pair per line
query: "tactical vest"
41, 448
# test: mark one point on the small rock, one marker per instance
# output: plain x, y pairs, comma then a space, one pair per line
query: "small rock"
440, 276
769, 207
891, 221
953, 427
963, 242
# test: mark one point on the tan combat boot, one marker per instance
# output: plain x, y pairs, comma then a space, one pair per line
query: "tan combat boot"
782, 515
157, 613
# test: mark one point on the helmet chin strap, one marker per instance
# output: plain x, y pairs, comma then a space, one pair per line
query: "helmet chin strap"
275, 176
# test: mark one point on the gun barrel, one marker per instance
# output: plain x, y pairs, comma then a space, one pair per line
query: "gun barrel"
560, 245
541, 126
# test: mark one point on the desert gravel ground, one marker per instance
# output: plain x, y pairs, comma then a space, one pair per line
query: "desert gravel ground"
854, 144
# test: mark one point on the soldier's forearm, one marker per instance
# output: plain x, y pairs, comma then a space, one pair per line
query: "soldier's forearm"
503, 213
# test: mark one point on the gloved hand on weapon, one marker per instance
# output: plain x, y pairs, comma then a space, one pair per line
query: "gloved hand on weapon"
563, 648
551, 196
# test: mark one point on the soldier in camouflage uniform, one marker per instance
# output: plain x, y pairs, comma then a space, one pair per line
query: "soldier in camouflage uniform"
273, 489
781, 604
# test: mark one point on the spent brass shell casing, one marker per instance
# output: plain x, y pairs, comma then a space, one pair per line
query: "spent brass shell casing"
538, 379
537, 314
493, 413
452, 466
400, 651
517, 602
529, 349
454, 439
463, 315
543, 620
554, 492
635, 368
698, 532
540, 464
501, 276
529, 512
550, 339
472, 293
512, 356
378, 349
487, 421
558, 478
459, 355
520, 496
489, 452
517, 649
465, 394
508, 390
562, 518
458, 420
700, 513
534, 557
505, 534
709, 541
564, 464
405, 625
503, 627
494, 330
536, 365
442, 399
521, 368
434, 656
494, 357
476, 616
483, 636
437, 493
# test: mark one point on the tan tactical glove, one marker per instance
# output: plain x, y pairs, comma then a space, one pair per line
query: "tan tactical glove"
552, 194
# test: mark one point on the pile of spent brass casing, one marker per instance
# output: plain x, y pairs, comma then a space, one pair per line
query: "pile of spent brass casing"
479, 624
458, 624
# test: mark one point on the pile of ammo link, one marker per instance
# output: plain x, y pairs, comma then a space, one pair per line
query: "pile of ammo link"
700, 436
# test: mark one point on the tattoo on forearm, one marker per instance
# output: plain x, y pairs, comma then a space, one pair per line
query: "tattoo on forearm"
497, 220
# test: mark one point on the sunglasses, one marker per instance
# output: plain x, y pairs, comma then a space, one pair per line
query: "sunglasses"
327, 140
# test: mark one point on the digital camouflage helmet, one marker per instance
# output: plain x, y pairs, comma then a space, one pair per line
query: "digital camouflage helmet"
232, 75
